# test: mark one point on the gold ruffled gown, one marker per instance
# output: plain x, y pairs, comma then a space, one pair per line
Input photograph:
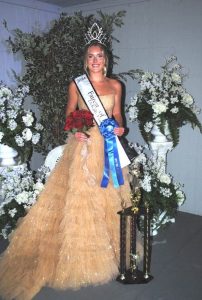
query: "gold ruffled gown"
70, 237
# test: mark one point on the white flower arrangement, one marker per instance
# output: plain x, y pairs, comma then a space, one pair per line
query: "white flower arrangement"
20, 188
163, 100
18, 127
159, 190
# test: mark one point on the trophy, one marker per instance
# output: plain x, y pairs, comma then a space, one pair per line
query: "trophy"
128, 227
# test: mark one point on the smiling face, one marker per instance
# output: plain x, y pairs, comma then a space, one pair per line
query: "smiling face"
95, 59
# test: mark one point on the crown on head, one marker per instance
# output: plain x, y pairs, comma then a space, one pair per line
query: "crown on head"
95, 33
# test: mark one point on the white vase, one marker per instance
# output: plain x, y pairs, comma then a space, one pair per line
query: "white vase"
7, 156
159, 137
160, 145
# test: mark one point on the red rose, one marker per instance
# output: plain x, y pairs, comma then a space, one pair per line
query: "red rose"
74, 114
69, 123
88, 118
78, 123
89, 121
79, 120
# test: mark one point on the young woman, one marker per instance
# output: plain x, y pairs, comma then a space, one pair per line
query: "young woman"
70, 237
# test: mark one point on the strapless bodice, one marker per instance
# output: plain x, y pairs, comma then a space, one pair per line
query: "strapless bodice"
107, 101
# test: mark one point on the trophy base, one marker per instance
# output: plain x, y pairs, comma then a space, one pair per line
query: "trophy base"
137, 278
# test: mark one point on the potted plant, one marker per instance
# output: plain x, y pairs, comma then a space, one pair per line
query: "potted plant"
163, 102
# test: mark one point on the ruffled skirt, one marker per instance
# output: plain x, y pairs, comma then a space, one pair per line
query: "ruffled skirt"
70, 237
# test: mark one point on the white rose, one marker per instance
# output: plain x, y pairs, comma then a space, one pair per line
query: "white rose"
6, 92
174, 110
174, 100
166, 192
35, 138
12, 124
12, 114
28, 119
19, 140
38, 126
27, 134
38, 187
164, 178
152, 90
25, 89
180, 197
165, 101
159, 107
22, 197
176, 77
187, 100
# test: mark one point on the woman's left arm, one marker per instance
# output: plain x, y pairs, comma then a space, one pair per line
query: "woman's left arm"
117, 108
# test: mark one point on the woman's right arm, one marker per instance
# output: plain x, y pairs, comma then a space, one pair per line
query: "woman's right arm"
72, 98
72, 103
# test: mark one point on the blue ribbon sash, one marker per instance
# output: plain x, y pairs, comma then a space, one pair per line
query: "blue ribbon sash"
111, 156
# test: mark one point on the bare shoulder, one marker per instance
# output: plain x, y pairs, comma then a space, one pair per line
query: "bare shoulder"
72, 89
72, 85
115, 84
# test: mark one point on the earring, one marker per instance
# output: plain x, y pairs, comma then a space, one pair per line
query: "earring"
105, 71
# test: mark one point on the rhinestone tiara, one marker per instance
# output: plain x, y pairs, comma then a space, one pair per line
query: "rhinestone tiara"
95, 33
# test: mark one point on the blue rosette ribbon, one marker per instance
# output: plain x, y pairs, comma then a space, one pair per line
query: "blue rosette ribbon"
111, 155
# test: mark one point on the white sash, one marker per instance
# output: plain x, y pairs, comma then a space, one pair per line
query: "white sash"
95, 106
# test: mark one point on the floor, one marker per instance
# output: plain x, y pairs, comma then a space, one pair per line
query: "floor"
176, 267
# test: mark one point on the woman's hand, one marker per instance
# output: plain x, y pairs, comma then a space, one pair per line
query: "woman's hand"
119, 131
80, 136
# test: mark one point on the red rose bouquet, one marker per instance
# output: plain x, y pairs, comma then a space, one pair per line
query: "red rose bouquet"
79, 120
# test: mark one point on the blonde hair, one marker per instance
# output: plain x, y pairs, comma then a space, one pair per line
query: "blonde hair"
103, 48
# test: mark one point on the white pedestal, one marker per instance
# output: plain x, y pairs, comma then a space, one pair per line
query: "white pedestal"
159, 153
160, 146
7, 156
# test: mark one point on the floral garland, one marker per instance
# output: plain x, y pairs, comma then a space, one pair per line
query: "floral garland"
163, 100
20, 188
158, 189
18, 127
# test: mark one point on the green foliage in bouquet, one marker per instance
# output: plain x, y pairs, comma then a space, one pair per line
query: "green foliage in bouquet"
52, 59
163, 101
